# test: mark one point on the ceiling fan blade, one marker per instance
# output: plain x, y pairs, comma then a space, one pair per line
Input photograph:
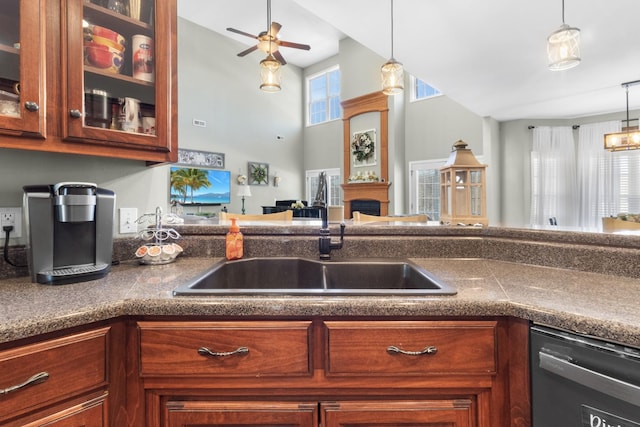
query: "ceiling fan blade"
274, 29
233, 30
248, 51
294, 45
279, 57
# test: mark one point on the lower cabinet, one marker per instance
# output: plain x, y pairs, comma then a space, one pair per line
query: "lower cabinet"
69, 379
92, 413
329, 373
435, 413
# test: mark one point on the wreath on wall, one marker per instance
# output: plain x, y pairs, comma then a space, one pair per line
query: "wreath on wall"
362, 146
258, 173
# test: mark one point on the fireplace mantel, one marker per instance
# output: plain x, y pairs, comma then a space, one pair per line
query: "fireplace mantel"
373, 102
366, 191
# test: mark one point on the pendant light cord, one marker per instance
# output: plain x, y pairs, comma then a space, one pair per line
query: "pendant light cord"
562, 12
391, 28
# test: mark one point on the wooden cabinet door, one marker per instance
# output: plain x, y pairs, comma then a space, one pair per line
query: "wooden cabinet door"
229, 414
92, 413
94, 112
22, 68
431, 413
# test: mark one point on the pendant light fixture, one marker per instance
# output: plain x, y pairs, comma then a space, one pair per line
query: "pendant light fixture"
563, 47
392, 71
629, 137
270, 73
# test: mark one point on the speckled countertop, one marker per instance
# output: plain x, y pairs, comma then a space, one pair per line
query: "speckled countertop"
590, 302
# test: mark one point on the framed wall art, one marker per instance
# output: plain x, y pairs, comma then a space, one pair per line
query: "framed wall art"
258, 173
363, 148
201, 158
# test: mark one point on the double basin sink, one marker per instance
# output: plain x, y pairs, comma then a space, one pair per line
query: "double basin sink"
303, 276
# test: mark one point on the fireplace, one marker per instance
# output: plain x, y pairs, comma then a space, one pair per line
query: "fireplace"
365, 206
377, 192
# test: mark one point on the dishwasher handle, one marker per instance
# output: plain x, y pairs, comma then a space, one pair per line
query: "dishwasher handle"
610, 386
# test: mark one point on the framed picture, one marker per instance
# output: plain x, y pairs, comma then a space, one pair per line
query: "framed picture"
201, 158
258, 173
363, 148
199, 186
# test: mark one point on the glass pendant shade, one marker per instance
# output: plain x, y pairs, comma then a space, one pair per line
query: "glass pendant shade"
270, 74
392, 74
563, 48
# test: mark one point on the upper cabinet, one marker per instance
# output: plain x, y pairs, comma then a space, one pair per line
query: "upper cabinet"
22, 70
111, 77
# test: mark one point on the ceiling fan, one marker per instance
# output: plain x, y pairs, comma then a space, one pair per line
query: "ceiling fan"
268, 41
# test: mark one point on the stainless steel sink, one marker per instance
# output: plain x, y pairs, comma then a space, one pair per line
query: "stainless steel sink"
302, 276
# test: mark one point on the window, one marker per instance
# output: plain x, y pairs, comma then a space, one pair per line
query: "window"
333, 185
323, 97
424, 187
422, 90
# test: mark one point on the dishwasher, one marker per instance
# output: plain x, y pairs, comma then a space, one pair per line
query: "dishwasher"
581, 381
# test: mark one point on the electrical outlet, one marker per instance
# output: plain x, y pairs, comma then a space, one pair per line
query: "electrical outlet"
11, 217
128, 217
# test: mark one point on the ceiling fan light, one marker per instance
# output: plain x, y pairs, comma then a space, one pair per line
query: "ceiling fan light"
270, 74
267, 46
563, 48
392, 74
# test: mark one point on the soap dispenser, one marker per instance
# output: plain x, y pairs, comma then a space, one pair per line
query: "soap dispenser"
235, 243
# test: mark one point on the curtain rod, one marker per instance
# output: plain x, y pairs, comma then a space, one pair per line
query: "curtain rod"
573, 126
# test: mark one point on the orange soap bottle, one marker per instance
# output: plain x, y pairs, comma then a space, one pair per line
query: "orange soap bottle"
235, 243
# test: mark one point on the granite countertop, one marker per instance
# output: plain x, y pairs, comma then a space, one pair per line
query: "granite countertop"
592, 303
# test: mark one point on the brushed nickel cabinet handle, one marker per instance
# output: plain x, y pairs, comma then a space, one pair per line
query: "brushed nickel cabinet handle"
36, 379
76, 114
432, 349
204, 351
31, 106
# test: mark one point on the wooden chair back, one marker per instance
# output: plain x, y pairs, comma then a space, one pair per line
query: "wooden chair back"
276, 216
360, 217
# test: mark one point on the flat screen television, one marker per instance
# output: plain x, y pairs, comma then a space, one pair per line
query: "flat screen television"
199, 186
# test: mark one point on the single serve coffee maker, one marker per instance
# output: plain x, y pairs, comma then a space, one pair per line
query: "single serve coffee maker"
69, 231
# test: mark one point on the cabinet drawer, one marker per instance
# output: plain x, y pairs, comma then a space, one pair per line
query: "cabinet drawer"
70, 365
240, 349
410, 348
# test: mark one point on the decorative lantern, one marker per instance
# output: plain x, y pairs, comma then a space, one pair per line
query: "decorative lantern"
462, 188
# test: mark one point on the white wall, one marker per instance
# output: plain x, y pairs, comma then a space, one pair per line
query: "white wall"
243, 122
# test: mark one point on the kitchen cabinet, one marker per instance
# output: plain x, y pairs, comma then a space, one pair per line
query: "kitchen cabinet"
22, 71
81, 103
329, 372
62, 381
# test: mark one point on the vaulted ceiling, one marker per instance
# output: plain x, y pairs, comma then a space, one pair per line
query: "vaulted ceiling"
488, 55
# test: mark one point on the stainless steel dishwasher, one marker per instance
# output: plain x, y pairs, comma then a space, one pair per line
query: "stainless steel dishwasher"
580, 381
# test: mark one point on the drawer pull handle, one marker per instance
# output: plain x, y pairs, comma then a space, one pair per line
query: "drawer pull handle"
36, 379
204, 351
432, 349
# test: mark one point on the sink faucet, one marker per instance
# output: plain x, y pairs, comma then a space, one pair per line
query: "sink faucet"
325, 244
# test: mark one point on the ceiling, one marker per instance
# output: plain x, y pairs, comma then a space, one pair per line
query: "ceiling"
488, 55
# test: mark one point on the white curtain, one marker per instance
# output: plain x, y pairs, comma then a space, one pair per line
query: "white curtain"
554, 188
598, 175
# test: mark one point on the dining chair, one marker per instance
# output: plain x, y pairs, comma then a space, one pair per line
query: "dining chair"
360, 217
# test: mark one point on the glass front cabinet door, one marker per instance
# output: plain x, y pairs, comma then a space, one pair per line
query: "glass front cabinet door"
120, 66
22, 84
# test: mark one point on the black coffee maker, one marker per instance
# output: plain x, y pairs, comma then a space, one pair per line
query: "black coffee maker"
69, 231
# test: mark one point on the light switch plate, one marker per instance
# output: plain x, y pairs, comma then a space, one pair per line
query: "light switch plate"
128, 222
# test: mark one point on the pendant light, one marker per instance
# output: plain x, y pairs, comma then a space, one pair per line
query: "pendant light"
563, 47
629, 137
270, 73
392, 72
